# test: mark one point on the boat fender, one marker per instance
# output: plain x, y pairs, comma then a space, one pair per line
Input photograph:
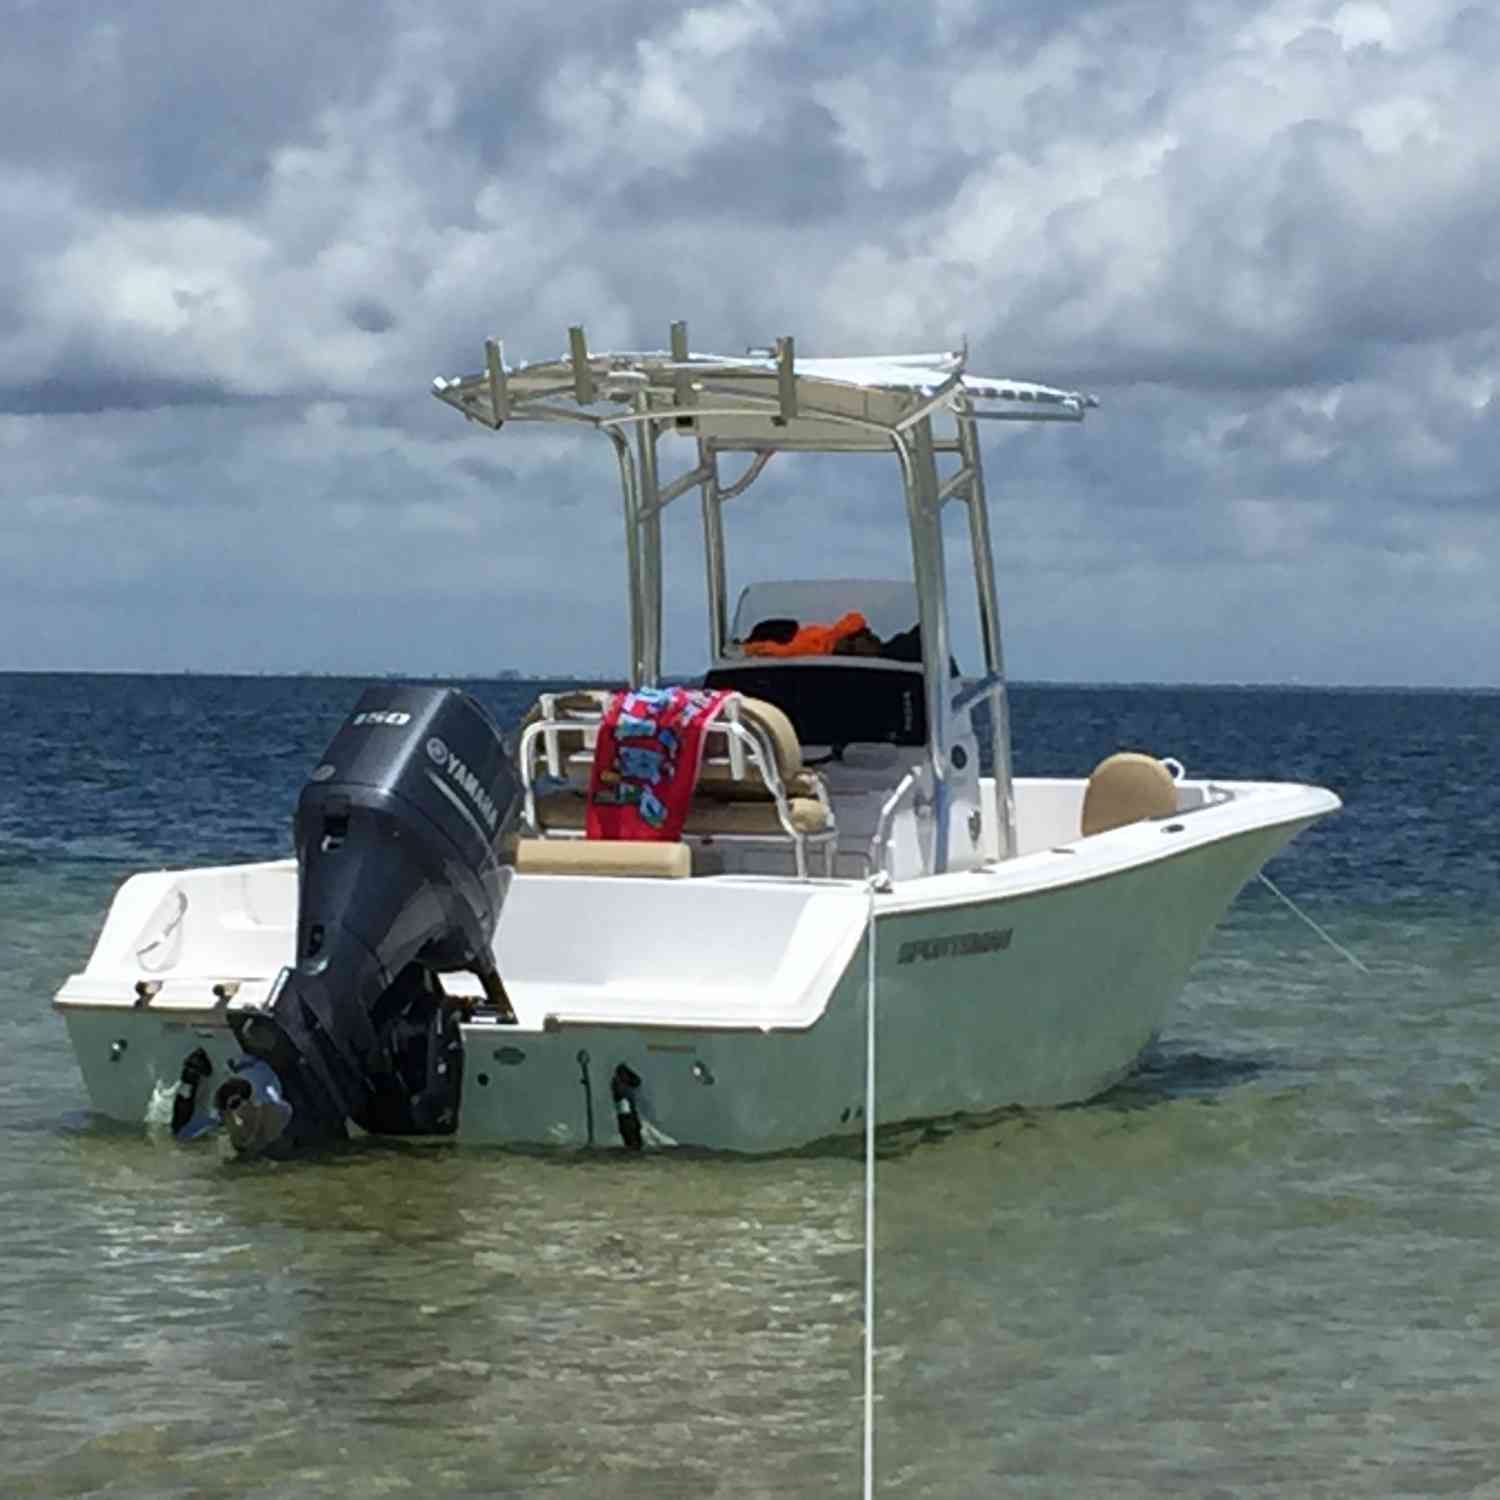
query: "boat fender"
622, 1086
195, 1068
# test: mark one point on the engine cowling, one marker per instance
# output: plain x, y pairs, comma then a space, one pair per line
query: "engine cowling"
399, 837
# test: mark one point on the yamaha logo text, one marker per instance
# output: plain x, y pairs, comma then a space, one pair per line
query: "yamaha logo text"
467, 782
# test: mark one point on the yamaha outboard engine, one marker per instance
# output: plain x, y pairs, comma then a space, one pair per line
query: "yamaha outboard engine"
398, 853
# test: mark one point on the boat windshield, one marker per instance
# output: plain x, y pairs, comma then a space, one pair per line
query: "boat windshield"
888, 606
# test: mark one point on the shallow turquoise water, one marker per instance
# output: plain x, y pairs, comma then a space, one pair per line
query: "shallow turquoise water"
1265, 1266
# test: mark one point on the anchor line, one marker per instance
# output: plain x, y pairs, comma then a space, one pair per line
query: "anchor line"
869, 1367
588, 1093
1297, 911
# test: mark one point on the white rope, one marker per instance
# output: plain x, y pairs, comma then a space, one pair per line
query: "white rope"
1297, 911
869, 1452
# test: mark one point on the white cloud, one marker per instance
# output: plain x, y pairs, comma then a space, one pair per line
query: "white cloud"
1265, 233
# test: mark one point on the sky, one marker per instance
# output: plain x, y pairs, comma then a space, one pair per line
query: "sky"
240, 242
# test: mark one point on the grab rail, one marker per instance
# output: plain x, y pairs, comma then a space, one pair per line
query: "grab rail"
880, 840
976, 690
747, 746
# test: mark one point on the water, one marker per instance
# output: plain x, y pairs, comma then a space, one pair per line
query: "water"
1265, 1266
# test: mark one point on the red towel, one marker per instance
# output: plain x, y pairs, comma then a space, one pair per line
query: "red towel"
646, 762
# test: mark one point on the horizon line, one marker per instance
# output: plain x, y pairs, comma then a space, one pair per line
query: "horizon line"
511, 675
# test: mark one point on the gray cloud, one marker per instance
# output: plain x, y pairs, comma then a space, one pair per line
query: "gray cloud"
149, 104
240, 245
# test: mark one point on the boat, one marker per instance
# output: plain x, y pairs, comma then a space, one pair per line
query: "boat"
854, 829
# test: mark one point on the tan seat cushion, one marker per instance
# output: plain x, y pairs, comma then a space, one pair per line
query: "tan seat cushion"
714, 781
706, 816
779, 729
657, 861
714, 784
570, 741
1125, 788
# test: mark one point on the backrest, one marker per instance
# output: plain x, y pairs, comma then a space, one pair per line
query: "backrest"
586, 704
770, 727
1124, 788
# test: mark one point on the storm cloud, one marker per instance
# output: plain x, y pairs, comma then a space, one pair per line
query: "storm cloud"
239, 245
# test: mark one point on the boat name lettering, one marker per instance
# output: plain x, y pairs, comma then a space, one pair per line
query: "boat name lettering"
955, 945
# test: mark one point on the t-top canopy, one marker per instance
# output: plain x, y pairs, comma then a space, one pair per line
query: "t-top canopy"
767, 398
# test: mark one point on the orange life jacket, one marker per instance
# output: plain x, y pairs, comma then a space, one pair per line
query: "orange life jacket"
812, 640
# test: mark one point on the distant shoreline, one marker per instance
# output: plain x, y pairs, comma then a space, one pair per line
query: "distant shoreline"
511, 676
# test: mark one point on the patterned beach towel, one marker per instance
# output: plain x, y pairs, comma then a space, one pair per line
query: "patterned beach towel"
646, 762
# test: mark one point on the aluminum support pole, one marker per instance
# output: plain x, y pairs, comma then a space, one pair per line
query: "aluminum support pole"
924, 515
989, 626
631, 498
648, 525
713, 552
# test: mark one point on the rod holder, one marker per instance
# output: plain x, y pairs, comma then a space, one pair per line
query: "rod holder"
682, 385
494, 360
583, 376
786, 376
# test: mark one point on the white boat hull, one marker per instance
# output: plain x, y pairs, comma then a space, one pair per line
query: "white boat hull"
739, 1003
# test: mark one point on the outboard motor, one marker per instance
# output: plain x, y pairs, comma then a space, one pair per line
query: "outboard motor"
398, 852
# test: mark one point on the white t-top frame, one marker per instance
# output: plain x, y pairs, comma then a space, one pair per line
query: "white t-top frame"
770, 401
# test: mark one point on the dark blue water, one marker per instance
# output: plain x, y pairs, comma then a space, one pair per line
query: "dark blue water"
1266, 1266
114, 770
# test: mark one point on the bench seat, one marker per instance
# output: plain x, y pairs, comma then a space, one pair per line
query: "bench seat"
752, 785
